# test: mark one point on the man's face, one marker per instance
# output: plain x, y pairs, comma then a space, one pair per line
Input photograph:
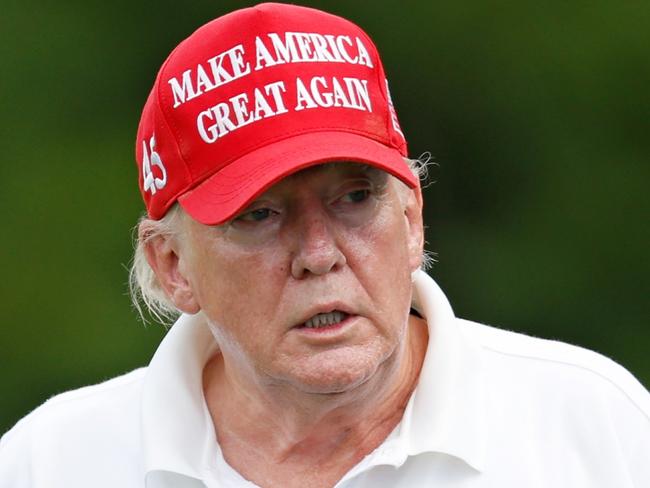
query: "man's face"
310, 286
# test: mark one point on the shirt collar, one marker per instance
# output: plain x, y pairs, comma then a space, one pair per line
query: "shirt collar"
178, 433
443, 415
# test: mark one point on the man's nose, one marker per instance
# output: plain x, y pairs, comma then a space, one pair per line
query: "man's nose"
316, 249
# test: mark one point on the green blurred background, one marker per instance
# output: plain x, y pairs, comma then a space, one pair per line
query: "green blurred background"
537, 114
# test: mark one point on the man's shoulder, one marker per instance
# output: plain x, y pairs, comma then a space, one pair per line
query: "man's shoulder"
111, 388
81, 434
556, 365
105, 403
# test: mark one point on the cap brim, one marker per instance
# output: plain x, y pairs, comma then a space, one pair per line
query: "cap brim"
222, 195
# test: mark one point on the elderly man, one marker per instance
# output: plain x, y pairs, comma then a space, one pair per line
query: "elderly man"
285, 223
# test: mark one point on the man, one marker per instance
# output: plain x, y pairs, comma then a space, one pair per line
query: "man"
285, 223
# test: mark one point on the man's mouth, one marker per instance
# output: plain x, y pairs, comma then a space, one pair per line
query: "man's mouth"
322, 320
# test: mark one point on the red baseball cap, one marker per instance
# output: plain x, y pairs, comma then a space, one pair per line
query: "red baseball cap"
256, 95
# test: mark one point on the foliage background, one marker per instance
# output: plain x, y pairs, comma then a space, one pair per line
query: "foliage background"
536, 112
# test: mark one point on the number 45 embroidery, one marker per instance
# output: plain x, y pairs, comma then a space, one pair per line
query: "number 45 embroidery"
150, 182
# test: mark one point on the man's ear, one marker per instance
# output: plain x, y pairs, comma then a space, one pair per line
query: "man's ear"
415, 226
164, 257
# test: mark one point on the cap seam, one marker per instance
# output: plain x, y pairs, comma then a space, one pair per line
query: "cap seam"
381, 79
178, 139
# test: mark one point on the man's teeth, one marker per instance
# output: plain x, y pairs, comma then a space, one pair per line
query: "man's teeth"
325, 319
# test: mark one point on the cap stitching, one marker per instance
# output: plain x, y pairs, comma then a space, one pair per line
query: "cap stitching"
175, 131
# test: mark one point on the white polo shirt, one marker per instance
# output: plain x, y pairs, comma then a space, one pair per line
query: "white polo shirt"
492, 409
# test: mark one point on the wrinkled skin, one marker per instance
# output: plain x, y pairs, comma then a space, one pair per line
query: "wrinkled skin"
338, 236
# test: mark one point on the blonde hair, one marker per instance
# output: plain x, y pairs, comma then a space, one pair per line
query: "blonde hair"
144, 288
148, 297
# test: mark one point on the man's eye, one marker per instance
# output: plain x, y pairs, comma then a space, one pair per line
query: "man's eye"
256, 215
357, 196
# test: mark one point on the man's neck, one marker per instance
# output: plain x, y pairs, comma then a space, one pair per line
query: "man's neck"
315, 440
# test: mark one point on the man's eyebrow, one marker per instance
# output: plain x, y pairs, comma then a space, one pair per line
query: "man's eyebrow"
344, 167
350, 169
354, 167
379, 178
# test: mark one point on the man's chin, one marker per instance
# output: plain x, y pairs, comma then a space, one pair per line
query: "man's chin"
331, 387
334, 374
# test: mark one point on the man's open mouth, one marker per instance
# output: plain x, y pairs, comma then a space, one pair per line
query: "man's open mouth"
325, 319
